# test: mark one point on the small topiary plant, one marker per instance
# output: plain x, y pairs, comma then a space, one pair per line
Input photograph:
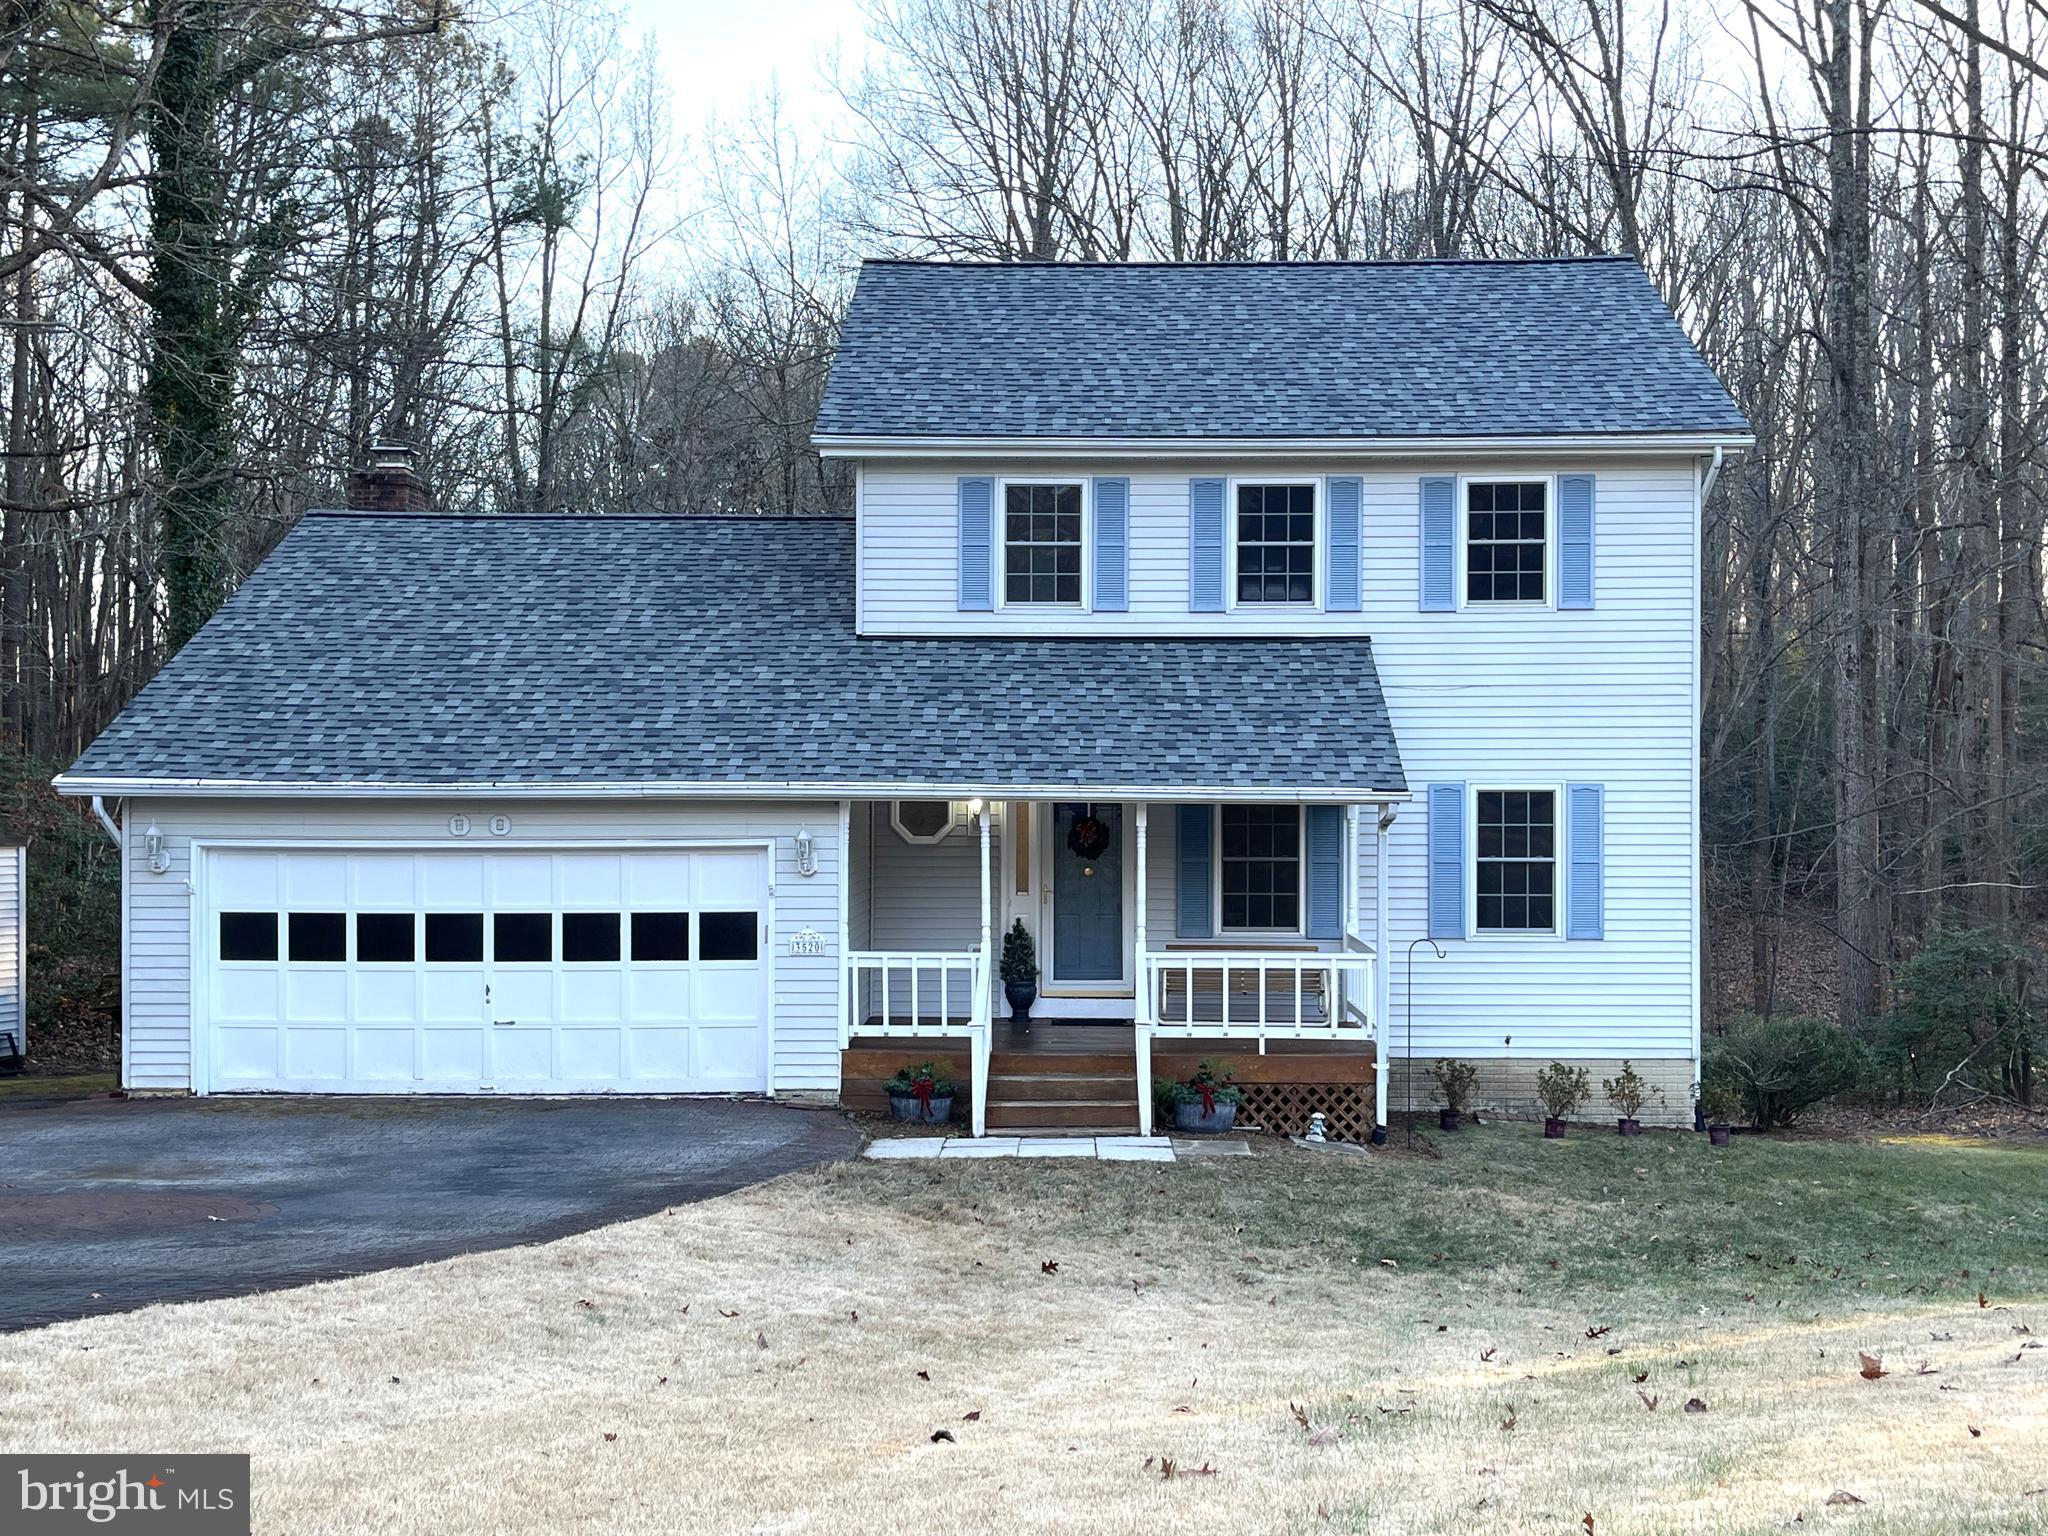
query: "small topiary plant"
1563, 1090
1629, 1092
1020, 955
1454, 1080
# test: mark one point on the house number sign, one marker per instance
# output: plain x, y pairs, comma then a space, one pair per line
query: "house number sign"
807, 941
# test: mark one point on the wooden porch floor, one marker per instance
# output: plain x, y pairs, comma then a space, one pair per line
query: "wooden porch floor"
1114, 1038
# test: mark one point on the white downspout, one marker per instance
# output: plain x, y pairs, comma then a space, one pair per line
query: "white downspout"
99, 809
1383, 974
1713, 474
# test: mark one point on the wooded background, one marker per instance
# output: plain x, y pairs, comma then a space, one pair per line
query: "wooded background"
239, 240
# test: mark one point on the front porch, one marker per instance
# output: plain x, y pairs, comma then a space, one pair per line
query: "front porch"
1147, 966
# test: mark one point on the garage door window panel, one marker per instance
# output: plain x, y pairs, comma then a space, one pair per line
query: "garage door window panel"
248, 936
523, 938
590, 938
455, 938
660, 937
386, 938
319, 938
728, 936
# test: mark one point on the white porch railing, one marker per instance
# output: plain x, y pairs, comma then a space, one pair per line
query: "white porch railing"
925, 981
1256, 995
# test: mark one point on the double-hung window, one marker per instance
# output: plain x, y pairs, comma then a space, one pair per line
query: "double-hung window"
1042, 544
1275, 544
1260, 868
1507, 541
1515, 874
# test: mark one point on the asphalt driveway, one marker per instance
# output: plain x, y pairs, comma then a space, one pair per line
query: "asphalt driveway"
109, 1204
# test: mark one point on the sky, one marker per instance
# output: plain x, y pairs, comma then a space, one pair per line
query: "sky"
717, 54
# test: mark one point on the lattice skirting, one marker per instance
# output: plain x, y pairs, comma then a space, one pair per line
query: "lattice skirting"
1284, 1108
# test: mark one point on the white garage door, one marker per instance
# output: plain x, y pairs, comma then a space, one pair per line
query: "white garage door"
567, 972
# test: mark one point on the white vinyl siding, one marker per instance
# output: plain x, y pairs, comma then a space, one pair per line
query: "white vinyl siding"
804, 1052
1492, 694
925, 896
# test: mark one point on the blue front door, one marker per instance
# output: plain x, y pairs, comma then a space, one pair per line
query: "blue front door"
1087, 893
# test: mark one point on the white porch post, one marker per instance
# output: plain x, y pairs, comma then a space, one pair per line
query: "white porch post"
1142, 1027
846, 999
981, 1008
1382, 974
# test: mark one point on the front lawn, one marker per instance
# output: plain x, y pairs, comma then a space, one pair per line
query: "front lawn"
1513, 1338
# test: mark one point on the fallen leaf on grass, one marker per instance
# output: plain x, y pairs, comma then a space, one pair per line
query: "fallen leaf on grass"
588, 1305
924, 1375
1649, 1399
1975, 1432
760, 1339
609, 1436
972, 1416
1048, 1266
1388, 1264
1169, 1469
1872, 1366
1695, 1405
1508, 1423
943, 1434
1485, 1355
1924, 1369
1588, 1523
723, 1313
1641, 1376
1598, 1333
1844, 1496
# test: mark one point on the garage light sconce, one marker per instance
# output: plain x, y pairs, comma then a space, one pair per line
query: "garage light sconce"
806, 852
159, 852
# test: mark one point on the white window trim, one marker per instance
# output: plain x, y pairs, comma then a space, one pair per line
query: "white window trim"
1464, 540
1315, 577
955, 817
1558, 834
1300, 928
1002, 542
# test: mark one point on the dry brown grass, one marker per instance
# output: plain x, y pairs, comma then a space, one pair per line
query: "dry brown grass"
760, 1363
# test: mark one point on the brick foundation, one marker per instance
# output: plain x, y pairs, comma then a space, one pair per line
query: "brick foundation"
1507, 1086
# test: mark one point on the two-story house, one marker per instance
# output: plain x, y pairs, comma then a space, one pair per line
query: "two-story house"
1306, 654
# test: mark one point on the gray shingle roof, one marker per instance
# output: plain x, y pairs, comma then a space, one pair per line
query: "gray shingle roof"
558, 650
1310, 349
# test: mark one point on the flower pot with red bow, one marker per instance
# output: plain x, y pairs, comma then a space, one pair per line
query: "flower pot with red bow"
1207, 1101
922, 1094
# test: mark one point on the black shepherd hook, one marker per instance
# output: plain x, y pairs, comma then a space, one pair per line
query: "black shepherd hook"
1439, 949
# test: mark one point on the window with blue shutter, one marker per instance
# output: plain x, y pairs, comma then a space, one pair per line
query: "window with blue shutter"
1112, 545
1585, 890
977, 543
1325, 872
1205, 546
1193, 857
1439, 544
1574, 541
1447, 861
1344, 503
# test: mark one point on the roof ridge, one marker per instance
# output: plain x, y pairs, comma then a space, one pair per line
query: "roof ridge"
452, 515
1614, 258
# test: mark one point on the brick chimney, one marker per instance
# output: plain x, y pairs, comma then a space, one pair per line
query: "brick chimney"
387, 482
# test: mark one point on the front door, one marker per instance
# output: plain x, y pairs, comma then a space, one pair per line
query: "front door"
1086, 861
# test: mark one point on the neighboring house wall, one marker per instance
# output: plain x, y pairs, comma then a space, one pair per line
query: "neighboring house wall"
14, 945
157, 1035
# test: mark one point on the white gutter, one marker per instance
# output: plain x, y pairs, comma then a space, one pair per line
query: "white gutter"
1713, 474
99, 809
847, 445
835, 789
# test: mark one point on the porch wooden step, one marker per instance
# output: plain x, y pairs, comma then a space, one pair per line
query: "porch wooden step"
1110, 1117
1049, 1087
1002, 1063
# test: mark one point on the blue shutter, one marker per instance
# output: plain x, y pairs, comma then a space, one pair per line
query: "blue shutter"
1574, 541
1447, 861
1439, 562
1343, 512
1205, 546
977, 543
1325, 872
1193, 915
1112, 546
1585, 905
